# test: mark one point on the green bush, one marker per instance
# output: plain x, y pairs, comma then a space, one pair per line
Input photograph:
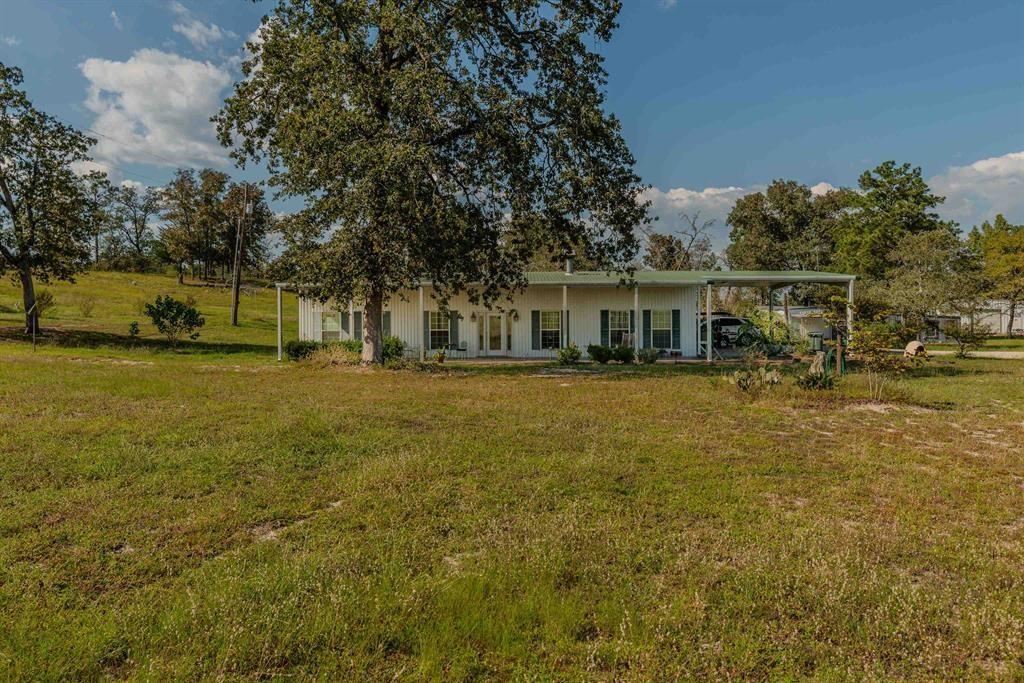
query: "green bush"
569, 355
174, 318
764, 334
648, 356
299, 349
753, 380
353, 345
133, 329
394, 348
600, 354
44, 302
817, 381
623, 354
967, 337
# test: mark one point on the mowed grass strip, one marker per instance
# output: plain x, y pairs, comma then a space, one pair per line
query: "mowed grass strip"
167, 518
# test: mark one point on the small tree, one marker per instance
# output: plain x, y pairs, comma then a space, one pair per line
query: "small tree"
871, 346
967, 337
174, 318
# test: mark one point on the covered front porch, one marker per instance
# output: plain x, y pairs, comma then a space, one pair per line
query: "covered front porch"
651, 309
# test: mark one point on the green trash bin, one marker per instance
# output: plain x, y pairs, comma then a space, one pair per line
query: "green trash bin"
815, 340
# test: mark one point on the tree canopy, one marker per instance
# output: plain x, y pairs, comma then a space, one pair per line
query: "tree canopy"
446, 141
44, 230
1001, 246
786, 227
686, 248
894, 201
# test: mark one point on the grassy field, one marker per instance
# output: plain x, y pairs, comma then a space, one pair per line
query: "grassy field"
209, 513
991, 344
96, 310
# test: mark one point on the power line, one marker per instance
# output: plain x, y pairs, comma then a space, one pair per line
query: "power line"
136, 147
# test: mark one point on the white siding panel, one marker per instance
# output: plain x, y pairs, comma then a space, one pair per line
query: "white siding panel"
585, 306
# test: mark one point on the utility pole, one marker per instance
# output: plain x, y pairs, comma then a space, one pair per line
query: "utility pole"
236, 277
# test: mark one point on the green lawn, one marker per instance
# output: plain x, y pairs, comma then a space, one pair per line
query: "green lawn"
991, 344
119, 298
209, 513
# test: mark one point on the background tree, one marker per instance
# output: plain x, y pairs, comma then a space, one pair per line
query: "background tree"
98, 207
933, 272
447, 141
894, 201
688, 248
211, 221
260, 222
180, 238
1001, 246
247, 233
135, 209
786, 227
44, 232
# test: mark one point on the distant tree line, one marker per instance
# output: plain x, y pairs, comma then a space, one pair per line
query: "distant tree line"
191, 223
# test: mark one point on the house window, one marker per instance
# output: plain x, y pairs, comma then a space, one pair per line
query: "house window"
661, 329
330, 326
439, 332
618, 327
550, 329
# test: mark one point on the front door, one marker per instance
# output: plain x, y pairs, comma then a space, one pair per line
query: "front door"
492, 335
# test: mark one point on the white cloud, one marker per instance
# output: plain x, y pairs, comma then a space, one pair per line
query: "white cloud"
199, 34
155, 103
822, 188
10, 41
712, 203
116, 19
667, 4
978, 191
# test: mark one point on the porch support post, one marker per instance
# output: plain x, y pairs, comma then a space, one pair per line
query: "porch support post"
707, 323
565, 316
423, 331
351, 320
636, 318
849, 309
279, 345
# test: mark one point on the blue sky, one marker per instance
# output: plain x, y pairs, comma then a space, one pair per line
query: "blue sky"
716, 97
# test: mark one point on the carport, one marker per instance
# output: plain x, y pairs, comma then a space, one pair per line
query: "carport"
770, 280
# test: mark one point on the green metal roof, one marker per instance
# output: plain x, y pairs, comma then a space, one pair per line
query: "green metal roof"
593, 277
680, 278
750, 278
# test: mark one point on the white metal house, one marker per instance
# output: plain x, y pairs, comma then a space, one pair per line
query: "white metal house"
656, 309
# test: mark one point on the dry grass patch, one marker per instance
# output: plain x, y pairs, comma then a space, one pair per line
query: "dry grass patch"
176, 518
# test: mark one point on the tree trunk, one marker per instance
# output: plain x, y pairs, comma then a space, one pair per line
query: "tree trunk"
28, 297
96, 249
1013, 314
181, 273
373, 347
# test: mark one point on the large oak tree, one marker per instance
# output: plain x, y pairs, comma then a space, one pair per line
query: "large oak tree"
44, 227
436, 140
